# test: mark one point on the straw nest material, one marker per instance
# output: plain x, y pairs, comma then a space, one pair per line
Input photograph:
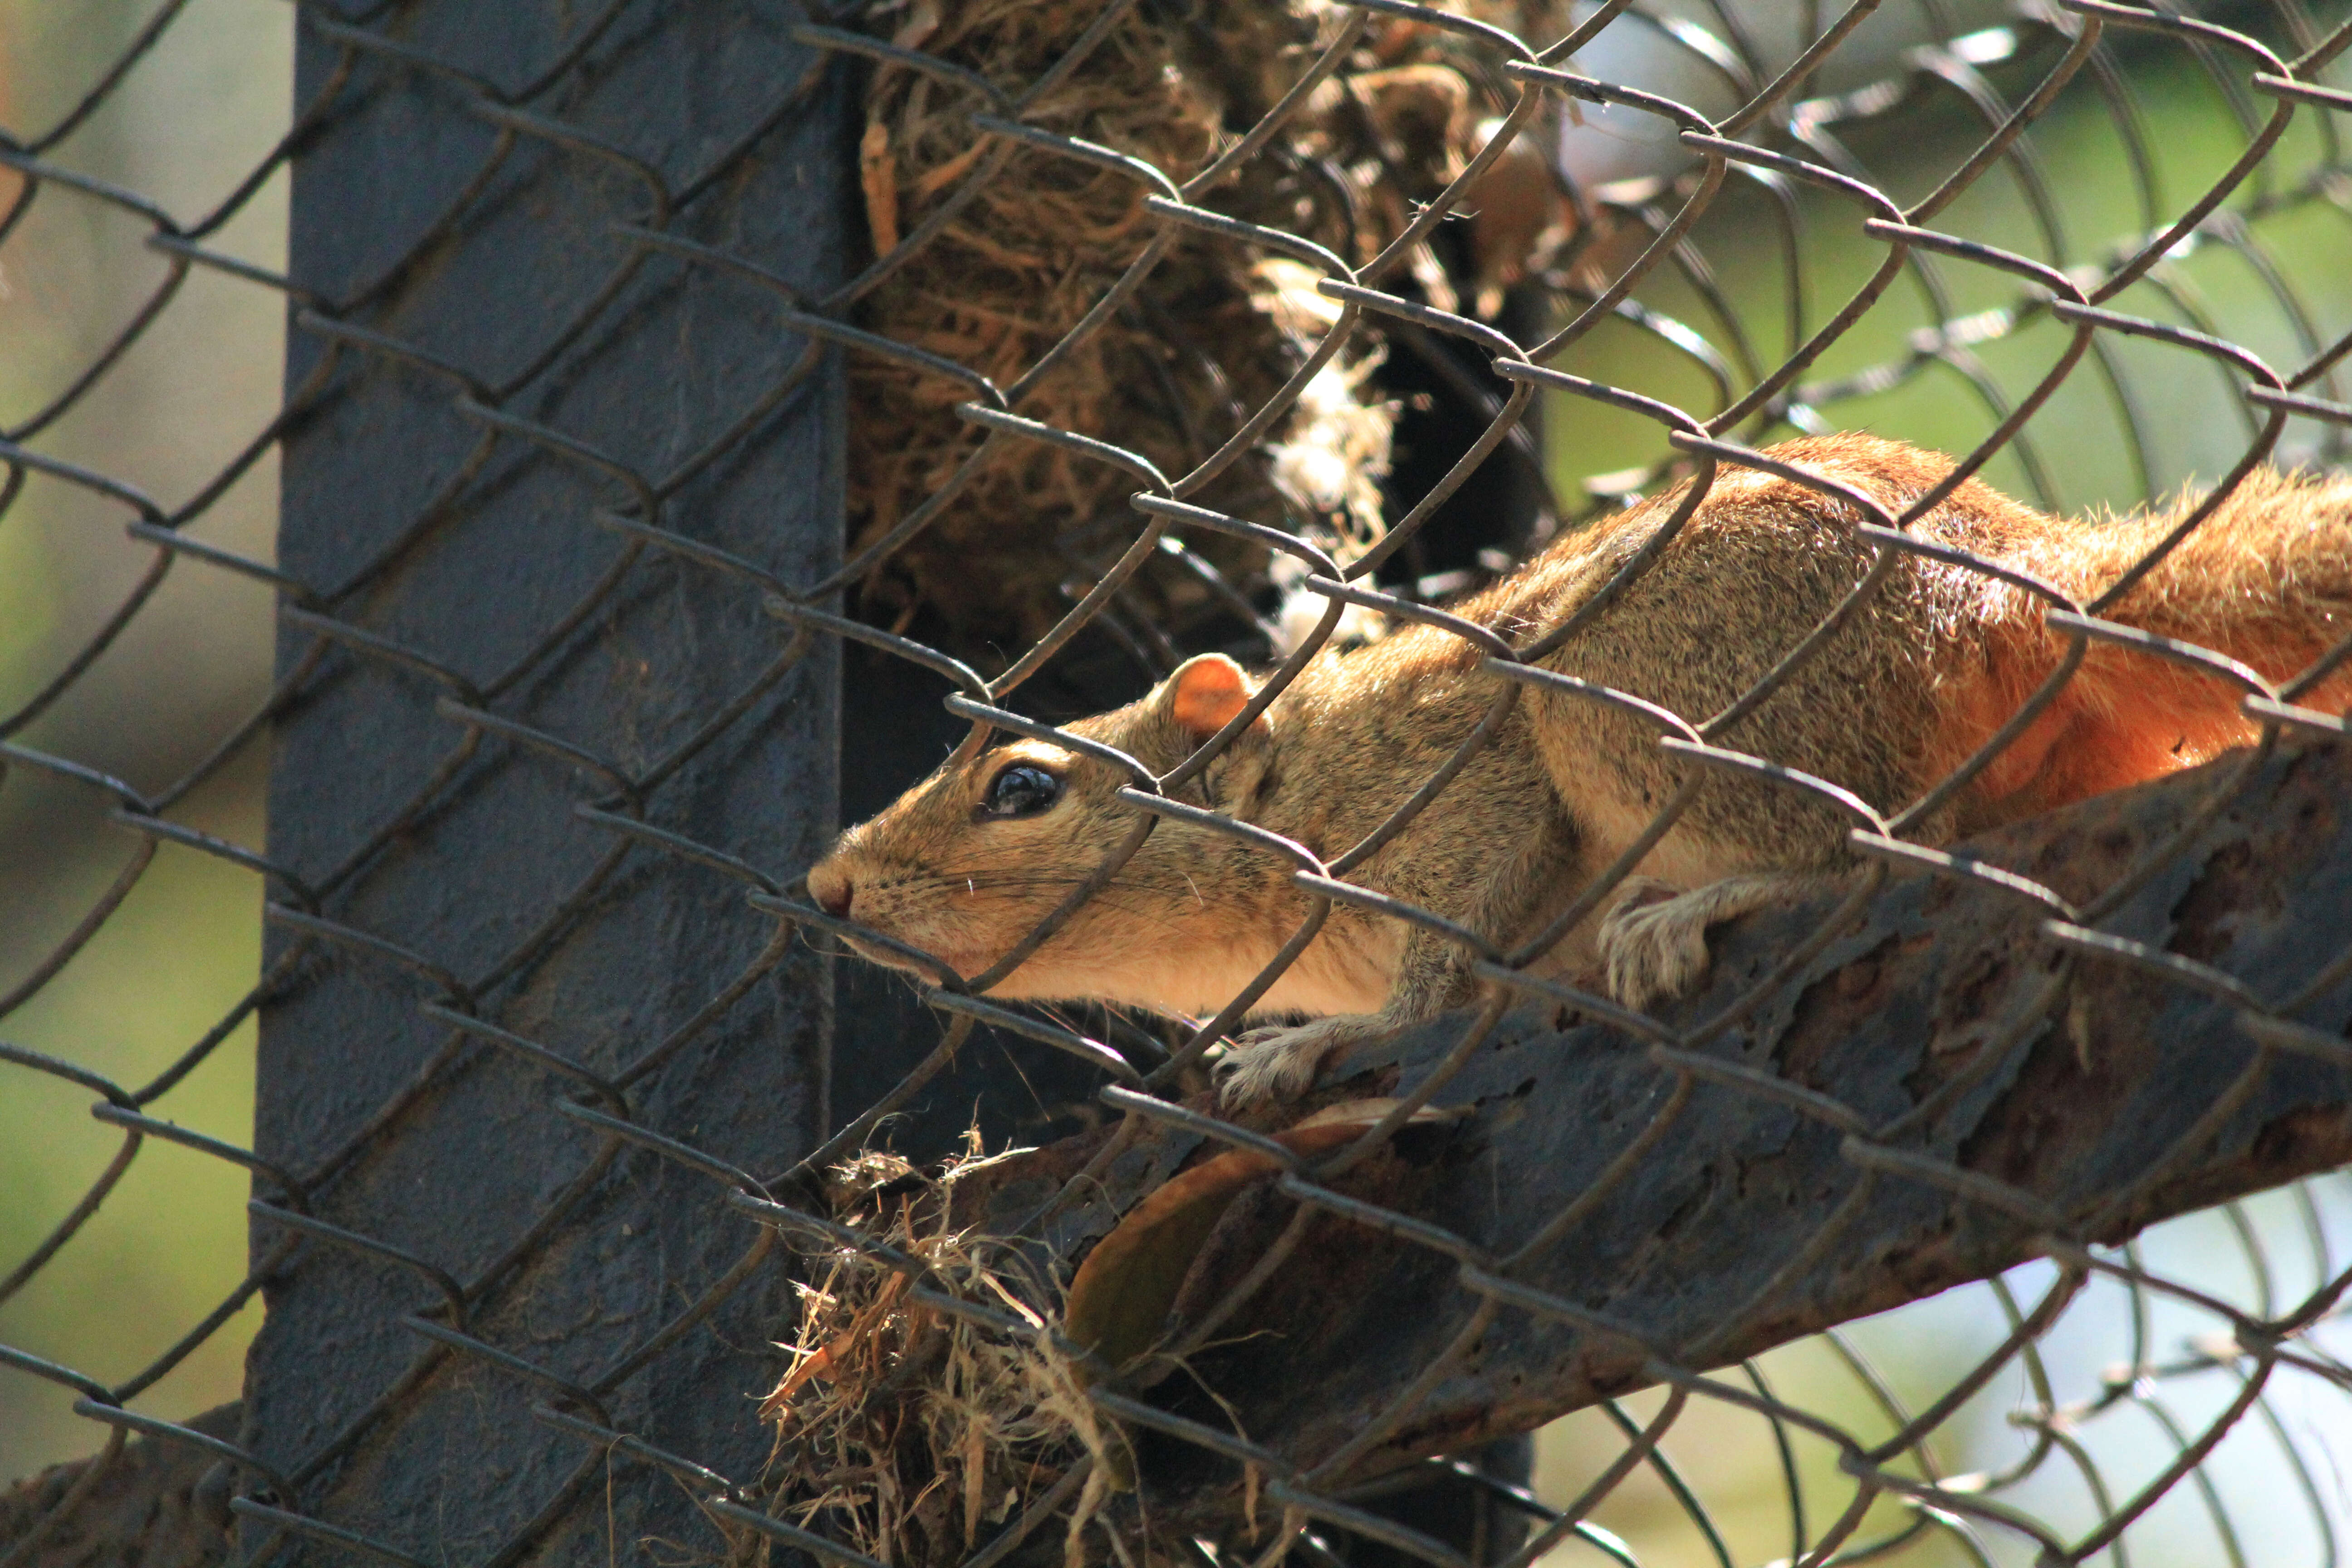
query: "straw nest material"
1027, 241
920, 1436
913, 1435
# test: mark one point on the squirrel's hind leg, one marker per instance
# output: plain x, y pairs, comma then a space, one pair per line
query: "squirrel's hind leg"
1653, 939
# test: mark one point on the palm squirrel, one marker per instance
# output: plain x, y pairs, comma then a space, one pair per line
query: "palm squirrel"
1919, 678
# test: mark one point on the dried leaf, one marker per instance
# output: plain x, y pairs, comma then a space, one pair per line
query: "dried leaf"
1120, 1299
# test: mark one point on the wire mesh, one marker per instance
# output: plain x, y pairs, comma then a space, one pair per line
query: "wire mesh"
1772, 196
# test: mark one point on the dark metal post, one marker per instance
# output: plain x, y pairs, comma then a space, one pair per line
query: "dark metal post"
553, 465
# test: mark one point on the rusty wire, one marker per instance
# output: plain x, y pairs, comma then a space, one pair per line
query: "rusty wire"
1781, 138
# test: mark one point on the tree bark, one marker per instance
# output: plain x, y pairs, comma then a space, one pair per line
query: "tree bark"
151, 1504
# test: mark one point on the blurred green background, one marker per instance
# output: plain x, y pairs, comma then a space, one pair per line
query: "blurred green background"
169, 1242
206, 105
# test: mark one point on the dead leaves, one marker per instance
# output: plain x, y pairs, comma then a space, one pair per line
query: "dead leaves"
1118, 1301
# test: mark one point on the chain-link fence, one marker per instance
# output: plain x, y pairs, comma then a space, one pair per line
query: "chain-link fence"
1127, 333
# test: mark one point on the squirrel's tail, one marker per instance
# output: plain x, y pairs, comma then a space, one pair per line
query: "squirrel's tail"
2266, 579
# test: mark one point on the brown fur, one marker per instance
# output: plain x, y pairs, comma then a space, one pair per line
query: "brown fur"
1920, 677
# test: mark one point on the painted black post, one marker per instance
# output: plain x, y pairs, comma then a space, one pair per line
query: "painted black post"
554, 466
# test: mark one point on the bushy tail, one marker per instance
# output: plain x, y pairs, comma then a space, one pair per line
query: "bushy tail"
2265, 579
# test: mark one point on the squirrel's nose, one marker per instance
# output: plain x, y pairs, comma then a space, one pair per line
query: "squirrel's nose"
831, 890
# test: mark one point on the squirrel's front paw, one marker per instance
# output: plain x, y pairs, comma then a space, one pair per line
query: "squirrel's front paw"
1280, 1062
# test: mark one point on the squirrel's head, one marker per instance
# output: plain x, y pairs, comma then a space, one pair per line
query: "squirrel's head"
967, 862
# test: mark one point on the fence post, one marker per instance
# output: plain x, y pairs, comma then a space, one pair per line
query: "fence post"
548, 470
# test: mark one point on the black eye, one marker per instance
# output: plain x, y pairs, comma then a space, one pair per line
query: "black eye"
1022, 790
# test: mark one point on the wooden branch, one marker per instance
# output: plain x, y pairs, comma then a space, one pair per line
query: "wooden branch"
2066, 1078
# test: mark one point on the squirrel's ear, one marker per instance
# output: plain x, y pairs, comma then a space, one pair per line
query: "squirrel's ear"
1205, 693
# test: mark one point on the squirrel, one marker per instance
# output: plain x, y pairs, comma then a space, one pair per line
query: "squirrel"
1919, 678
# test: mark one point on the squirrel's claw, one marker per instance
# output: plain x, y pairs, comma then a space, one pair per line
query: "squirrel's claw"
1653, 939
1653, 943
1280, 1062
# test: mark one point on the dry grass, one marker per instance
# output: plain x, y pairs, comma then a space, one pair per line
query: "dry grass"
912, 1436
1209, 338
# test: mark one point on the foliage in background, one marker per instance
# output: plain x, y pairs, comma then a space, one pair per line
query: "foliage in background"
169, 1241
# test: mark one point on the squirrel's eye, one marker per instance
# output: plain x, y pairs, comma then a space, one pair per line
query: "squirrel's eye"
1022, 791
